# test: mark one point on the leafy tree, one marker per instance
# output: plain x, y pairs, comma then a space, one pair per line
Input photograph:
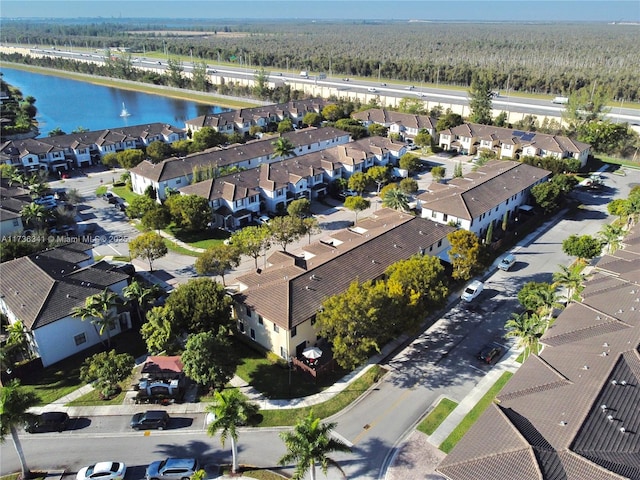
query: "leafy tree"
174, 73
604, 136
547, 196
283, 148
261, 83
378, 175
480, 100
189, 212
158, 151
396, 199
110, 160
312, 119
106, 370
489, 236
130, 158
585, 105
534, 296
310, 226
309, 443
412, 105
464, 253
332, 112
252, 241
200, 305
457, 170
438, 173
285, 126
356, 204
230, 411
156, 218
582, 246
353, 126
619, 207
209, 359
423, 139
15, 401
217, 260
299, 208
408, 186
358, 182
204, 138
377, 130
409, 162
501, 120
148, 246
158, 331
569, 277
449, 120
527, 328
285, 230
140, 205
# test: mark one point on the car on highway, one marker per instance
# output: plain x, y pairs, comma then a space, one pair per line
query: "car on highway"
472, 291
102, 471
507, 262
47, 422
490, 354
172, 469
151, 419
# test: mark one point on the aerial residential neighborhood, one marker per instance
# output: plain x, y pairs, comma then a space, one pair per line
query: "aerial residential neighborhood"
264, 241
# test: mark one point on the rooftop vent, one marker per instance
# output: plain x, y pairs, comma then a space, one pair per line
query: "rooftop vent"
603, 407
623, 430
563, 423
610, 418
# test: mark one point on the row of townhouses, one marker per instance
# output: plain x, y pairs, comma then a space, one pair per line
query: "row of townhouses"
240, 121
470, 138
406, 125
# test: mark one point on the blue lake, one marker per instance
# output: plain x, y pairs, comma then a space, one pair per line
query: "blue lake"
69, 104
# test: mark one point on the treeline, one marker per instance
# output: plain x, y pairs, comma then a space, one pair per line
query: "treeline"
18, 113
533, 58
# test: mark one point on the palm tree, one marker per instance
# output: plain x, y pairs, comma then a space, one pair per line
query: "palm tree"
396, 199
308, 444
99, 308
33, 214
14, 403
569, 277
610, 235
283, 148
527, 327
231, 410
17, 339
141, 296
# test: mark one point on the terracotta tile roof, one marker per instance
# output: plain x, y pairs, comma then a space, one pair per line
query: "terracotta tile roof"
291, 290
163, 364
480, 191
555, 401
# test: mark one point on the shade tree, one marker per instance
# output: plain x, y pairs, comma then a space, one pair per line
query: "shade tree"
218, 260
148, 246
209, 359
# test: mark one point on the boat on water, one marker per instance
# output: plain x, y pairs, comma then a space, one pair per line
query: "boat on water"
124, 112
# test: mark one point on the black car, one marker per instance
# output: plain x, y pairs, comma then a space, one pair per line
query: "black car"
490, 354
151, 419
109, 197
47, 422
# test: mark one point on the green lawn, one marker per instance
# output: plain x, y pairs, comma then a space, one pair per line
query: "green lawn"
125, 193
475, 413
253, 472
437, 416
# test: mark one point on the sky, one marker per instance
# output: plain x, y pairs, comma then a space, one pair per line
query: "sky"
444, 10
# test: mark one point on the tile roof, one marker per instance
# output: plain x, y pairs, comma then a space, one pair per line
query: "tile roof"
388, 117
291, 290
480, 191
44, 287
561, 400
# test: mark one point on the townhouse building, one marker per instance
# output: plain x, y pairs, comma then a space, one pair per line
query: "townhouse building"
42, 289
276, 307
406, 125
12, 200
266, 117
176, 173
482, 197
470, 138
62, 153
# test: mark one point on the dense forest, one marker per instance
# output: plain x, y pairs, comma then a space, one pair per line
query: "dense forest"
534, 58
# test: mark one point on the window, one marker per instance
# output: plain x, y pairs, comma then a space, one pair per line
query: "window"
283, 352
80, 339
260, 320
433, 214
294, 331
439, 243
253, 334
445, 217
248, 312
241, 326
276, 328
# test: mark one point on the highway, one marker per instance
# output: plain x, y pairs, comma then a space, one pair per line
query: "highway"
349, 86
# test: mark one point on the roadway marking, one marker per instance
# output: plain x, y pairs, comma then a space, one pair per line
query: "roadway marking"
372, 424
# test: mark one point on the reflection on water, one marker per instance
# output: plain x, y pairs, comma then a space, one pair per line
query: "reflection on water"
68, 104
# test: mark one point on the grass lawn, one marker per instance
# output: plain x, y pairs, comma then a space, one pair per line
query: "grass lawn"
282, 417
252, 472
201, 239
63, 377
475, 413
437, 416
125, 193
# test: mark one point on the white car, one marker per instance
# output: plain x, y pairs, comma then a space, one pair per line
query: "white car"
472, 291
264, 220
507, 262
103, 471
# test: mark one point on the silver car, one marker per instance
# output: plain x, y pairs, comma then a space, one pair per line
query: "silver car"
172, 469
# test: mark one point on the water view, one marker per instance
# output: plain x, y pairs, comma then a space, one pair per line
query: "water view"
69, 104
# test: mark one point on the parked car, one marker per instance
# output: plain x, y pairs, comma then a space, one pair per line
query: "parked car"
47, 422
172, 469
264, 220
151, 419
507, 262
490, 353
472, 291
107, 197
103, 471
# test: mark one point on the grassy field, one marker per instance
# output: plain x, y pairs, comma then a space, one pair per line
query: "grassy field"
475, 413
437, 416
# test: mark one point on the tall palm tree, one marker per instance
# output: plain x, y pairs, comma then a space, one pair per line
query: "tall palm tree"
99, 309
569, 277
527, 328
308, 444
14, 403
283, 148
17, 340
396, 199
140, 296
231, 410
611, 235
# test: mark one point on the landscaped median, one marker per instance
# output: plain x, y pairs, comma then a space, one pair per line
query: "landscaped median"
437, 416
